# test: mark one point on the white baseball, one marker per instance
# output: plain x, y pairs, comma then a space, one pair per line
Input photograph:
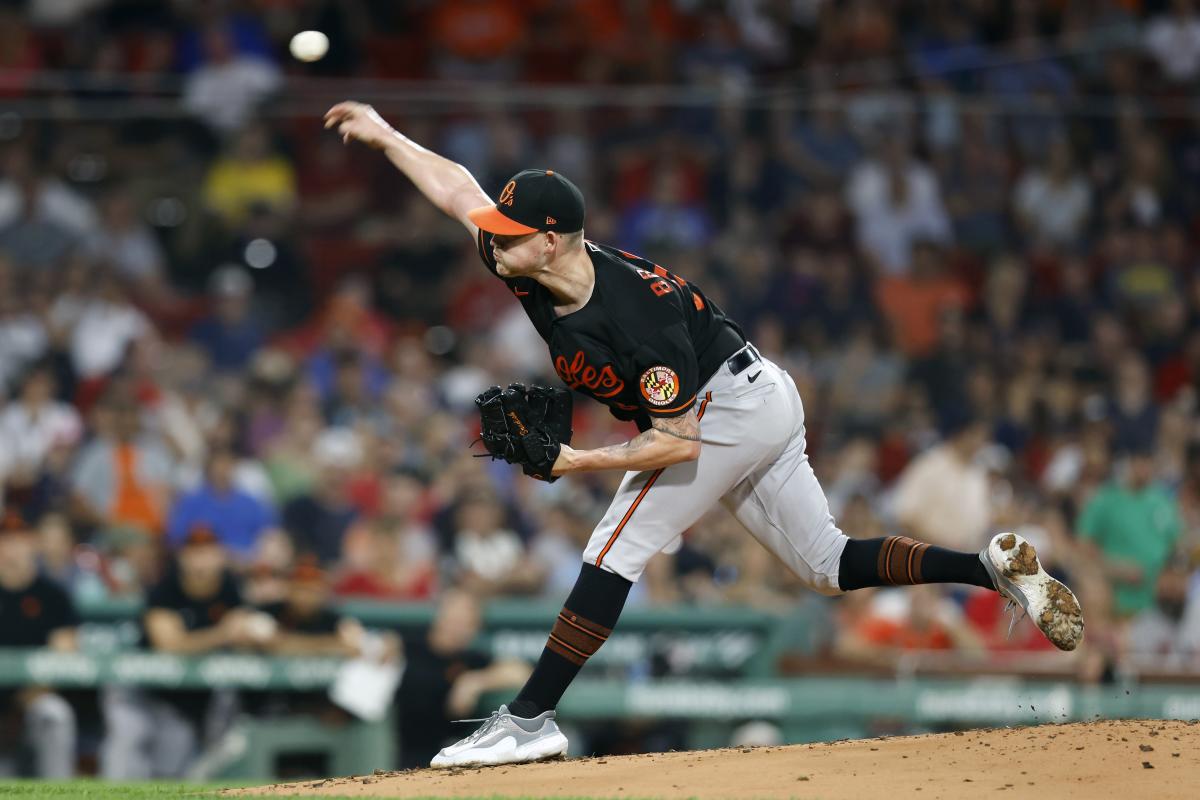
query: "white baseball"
309, 46
260, 626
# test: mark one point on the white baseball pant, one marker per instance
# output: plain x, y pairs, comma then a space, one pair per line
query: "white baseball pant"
752, 460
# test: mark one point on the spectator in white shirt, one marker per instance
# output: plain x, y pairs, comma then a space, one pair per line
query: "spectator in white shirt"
896, 201
942, 495
1173, 40
1052, 203
35, 422
53, 199
225, 90
23, 336
104, 323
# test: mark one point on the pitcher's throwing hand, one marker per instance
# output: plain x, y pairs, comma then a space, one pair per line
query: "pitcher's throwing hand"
361, 122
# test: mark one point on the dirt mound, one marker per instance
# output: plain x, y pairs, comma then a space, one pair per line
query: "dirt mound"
1110, 759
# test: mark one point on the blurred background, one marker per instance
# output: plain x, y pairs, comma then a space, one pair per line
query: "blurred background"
238, 363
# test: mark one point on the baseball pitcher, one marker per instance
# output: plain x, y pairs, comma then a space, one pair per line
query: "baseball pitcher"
718, 424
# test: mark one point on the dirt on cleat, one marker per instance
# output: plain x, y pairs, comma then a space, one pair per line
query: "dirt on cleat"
1025, 562
1062, 620
1063, 600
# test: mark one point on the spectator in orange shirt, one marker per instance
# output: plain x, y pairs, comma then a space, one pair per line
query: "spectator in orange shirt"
913, 303
478, 37
121, 477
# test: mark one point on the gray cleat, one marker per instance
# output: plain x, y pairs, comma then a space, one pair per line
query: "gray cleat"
505, 739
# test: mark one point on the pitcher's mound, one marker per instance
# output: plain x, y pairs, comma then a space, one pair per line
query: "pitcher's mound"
1128, 760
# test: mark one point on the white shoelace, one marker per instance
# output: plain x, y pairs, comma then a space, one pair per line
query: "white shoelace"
1016, 617
488, 724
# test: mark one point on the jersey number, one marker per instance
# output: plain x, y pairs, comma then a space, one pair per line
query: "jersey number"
660, 283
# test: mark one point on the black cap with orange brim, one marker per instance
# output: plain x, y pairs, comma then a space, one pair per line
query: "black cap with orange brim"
307, 569
201, 534
533, 200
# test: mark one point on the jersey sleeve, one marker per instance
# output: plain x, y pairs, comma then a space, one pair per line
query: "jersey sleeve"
667, 373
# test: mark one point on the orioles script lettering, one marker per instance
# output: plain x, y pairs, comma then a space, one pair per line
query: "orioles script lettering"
601, 382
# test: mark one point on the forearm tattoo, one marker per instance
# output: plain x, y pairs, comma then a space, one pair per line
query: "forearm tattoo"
632, 446
683, 427
686, 427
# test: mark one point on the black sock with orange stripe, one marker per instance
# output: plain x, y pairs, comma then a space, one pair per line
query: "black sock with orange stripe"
587, 619
901, 561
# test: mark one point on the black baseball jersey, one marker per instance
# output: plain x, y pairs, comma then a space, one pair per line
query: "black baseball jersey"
30, 615
197, 613
644, 342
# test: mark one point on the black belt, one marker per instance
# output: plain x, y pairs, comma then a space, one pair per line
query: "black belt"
742, 359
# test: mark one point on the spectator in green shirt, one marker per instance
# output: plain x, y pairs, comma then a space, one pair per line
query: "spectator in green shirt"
1131, 525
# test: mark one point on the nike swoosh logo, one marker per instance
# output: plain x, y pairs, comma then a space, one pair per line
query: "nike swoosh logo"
754, 377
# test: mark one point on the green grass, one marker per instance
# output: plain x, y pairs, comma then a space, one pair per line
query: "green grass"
98, 790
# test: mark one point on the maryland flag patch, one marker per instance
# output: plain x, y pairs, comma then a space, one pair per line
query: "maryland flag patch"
659, 385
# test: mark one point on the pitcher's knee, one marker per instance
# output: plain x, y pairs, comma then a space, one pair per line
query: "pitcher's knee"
819, 566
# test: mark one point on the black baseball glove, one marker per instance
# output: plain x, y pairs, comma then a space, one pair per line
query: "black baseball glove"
526, 426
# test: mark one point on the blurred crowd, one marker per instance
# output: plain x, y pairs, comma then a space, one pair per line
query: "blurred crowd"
969, 230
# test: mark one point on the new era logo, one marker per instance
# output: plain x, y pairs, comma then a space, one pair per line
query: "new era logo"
551, 221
